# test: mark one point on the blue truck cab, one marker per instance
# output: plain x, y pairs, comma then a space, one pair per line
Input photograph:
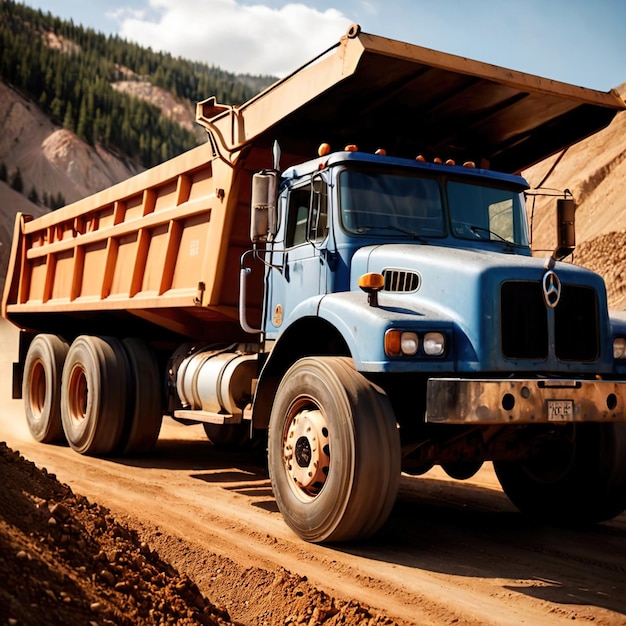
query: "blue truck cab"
402, 299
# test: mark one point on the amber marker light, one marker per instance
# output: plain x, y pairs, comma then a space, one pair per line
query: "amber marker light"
324, 149
381, 152
371, 284
401, 343
392, 343
351, 147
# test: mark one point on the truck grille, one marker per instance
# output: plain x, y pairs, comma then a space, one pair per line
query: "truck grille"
525, 323
401, 281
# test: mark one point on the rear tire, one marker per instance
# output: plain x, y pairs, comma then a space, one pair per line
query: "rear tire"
333, 451
41, 387
145, 413
93, 394
573, 481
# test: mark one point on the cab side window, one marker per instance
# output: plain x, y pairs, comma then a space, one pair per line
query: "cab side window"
302, 227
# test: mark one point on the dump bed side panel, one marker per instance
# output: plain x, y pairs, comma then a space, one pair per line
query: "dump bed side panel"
163, 246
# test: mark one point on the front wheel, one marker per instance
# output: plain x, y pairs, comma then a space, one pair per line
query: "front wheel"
579, 478
228, 436
333, 451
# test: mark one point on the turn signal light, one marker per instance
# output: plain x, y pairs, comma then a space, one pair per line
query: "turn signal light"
401, 343
372, 283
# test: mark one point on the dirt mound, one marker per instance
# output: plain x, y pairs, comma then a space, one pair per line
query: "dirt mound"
594, 170
606, 255
65, 560
68, 559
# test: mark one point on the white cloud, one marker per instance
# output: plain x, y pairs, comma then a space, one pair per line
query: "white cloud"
253, 39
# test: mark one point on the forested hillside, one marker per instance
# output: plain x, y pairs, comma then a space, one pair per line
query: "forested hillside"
70, 71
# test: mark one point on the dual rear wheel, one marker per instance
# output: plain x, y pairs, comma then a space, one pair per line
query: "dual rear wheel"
100, 393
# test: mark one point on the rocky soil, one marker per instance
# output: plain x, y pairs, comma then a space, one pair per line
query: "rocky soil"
65, 560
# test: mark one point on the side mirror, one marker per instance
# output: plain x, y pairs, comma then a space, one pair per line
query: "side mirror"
566, 229
263, 206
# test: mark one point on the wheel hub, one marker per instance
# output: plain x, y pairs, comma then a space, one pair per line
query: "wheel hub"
303, 452
307, 450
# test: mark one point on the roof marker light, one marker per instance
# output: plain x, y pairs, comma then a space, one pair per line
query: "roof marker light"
381, 152
351, 147
469, 164
421, 158
324, 149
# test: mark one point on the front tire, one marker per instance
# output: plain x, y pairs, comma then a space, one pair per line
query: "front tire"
575, 480
333, 451
93, 394
228, 436
41, 387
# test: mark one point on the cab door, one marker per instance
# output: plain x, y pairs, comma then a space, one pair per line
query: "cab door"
299, 270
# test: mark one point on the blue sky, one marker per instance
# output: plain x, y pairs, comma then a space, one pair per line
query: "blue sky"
576, 41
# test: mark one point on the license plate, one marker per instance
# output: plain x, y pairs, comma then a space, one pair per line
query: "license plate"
560, 410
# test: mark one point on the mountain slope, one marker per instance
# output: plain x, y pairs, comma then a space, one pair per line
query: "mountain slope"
52, 161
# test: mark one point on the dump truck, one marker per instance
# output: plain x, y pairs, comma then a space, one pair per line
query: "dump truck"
342, 275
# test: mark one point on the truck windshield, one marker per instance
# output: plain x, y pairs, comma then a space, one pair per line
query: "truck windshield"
390, 204
400, 204
479, 212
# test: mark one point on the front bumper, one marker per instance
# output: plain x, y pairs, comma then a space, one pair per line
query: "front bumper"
515, 401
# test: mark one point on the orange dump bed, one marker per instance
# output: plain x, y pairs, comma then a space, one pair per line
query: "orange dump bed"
163, 247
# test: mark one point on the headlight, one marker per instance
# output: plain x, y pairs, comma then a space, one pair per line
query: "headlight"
619, 348
407, 343
434, 344
399, 343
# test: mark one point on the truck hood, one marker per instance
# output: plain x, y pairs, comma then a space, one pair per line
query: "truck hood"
464, 286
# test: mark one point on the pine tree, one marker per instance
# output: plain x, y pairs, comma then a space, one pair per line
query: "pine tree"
68, 120
75, 90
16, 182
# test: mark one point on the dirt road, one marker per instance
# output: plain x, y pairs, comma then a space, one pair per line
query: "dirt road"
452, 552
